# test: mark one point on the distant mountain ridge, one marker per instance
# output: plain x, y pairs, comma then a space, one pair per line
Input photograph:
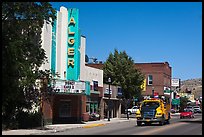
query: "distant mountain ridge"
192, 85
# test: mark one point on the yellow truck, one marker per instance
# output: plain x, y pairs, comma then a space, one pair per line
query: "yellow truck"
153, 110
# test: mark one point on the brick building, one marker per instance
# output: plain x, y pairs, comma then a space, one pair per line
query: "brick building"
157, 75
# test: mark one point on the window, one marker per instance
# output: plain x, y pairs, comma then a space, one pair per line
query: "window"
150, 79
65, 109
88, 107
95, 85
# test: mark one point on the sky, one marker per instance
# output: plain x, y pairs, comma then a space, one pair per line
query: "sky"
148, 32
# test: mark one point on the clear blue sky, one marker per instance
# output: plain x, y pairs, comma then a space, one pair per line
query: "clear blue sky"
147, 31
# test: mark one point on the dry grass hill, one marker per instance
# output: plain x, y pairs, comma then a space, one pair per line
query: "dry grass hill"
193, 85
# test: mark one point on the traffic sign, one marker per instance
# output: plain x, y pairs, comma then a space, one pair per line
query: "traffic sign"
175, 102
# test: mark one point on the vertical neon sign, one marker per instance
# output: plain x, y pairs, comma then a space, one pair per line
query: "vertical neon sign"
73, 42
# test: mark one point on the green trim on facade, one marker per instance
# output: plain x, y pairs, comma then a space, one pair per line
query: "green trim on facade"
95, 92
53, 49
87, 86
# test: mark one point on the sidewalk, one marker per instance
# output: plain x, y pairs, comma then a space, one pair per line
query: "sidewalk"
63, 127
175, 114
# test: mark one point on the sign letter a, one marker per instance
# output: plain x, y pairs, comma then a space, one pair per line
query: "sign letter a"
72, 21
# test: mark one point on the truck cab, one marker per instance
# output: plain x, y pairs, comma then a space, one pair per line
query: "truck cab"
152, 111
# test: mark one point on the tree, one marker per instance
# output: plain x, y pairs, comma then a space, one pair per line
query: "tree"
22, 53
183, 103
120, 68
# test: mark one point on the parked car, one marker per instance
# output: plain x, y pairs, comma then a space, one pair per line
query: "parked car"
132, 110
173, 111
190, 108
187, 113
197, 109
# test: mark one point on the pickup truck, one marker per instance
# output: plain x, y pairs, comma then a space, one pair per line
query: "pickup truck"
132, 110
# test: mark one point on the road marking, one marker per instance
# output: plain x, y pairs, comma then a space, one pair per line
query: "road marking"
160, 129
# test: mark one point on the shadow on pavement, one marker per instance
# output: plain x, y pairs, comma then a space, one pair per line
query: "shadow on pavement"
193, 121
152, 124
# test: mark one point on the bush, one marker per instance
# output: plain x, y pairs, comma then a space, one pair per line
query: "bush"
28, 120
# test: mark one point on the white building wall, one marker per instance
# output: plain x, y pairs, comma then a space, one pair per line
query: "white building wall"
46, 37
82, 58
88, 73
63, 48
93, 74
58, 41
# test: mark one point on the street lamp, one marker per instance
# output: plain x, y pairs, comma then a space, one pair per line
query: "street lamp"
109, 81
152, 92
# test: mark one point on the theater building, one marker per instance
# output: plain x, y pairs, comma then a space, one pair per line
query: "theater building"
78, 88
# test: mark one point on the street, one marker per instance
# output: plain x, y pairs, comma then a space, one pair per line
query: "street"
177, 126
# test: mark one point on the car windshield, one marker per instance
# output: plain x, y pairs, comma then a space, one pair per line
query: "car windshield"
135, 107
189, 107
151, 104
187, 110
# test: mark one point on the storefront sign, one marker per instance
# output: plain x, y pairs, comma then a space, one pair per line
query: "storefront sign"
107, 91
175, 82
62, 86
143, 86
175, 102
167, 91
73, 42
120, 93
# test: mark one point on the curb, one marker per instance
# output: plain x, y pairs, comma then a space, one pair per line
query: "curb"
87, 125
80, 126
93, 125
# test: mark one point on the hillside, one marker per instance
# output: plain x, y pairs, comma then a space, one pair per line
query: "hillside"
193, 85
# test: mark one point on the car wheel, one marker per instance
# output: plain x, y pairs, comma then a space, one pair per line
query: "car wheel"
139, 123
148, 123
161, 123
129, 113
167, 121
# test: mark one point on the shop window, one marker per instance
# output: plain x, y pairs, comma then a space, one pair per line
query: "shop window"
65, 109
150, 79
88, 108
93, 107
95, 85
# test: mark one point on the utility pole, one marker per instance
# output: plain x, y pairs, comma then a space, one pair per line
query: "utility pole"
109, 81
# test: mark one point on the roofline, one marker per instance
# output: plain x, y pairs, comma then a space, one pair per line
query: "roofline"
153, 63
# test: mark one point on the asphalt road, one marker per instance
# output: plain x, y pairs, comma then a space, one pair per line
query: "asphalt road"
176, 127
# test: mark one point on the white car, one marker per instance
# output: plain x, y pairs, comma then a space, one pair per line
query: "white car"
132, 110
190, 108
197, 109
